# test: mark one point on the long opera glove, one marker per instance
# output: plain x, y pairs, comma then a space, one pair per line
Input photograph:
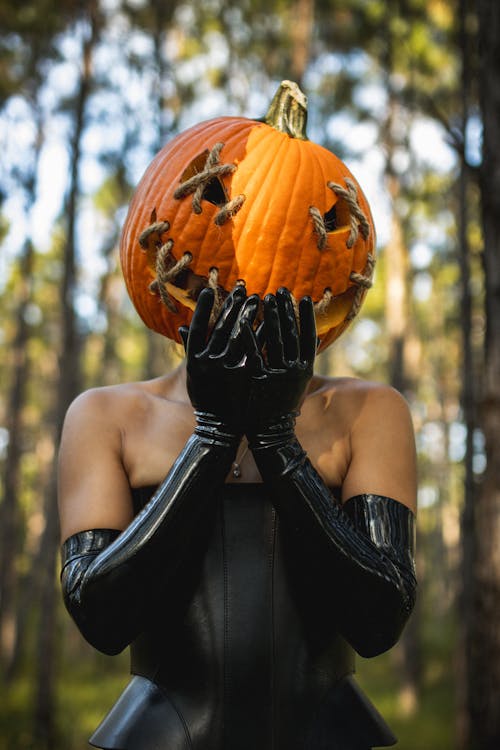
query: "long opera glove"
363, 561
110, 587
363, 552
111, 581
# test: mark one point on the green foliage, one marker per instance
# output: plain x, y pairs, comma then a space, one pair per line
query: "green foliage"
432, 723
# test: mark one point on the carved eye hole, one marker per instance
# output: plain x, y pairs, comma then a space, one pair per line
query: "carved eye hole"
338, 216
214, 191
330, 219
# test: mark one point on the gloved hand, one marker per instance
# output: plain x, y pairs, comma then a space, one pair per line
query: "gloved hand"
216, 380
279, 363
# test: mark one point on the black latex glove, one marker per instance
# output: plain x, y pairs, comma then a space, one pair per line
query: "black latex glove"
216, 380
279, 379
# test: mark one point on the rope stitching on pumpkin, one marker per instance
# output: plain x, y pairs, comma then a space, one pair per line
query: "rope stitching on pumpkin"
363, 282
359, 222
319, 227
321, 307
213, 283
158, 226
198, 182
229, 210
167, 268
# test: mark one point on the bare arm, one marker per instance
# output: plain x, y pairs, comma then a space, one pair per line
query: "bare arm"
94, 492
383, 458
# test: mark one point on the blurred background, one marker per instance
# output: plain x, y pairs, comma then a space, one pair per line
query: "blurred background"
407, 92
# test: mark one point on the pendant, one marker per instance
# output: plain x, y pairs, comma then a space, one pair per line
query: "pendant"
236, 470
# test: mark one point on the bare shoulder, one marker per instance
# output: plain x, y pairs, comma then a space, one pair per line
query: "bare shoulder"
379, 438
109, 412
108, 404
93, 486
351, 385
358, 400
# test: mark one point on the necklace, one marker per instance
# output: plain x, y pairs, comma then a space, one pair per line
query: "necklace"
236, 468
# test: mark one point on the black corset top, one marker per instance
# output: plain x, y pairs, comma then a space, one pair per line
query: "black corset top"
241, 654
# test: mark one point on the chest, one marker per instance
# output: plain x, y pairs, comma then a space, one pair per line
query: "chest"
150, 447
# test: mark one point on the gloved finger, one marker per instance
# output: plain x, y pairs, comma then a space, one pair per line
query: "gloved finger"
235, 351
254, 362
225, 321
307, 334
288, 324
260, 335
260, 338
198, 329
249, 310
184, 333
272, 330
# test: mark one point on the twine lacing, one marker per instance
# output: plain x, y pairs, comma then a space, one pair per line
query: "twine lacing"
363, 282
321, 307
213, 283
167, 269
197, 184
319, 227
156, 227
359, 222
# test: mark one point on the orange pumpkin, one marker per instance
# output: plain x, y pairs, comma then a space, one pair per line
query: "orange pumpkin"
235, 200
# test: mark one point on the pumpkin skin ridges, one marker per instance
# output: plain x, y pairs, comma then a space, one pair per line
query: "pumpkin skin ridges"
285, 254
250, 178
319, 257
309, 263
243, 223
258, 273
303, 246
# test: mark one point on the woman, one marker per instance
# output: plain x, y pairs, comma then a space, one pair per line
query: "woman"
278, 540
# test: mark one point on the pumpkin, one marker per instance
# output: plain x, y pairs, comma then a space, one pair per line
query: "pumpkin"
239, 201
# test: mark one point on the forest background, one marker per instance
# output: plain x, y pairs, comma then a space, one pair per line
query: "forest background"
407, 92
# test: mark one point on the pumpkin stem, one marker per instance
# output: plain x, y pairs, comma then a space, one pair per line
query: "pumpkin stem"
288, 111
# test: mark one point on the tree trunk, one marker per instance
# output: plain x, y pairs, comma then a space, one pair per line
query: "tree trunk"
10, 515
466, 612
396, 298
10, 520
301, 29
68, 387
484, 689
